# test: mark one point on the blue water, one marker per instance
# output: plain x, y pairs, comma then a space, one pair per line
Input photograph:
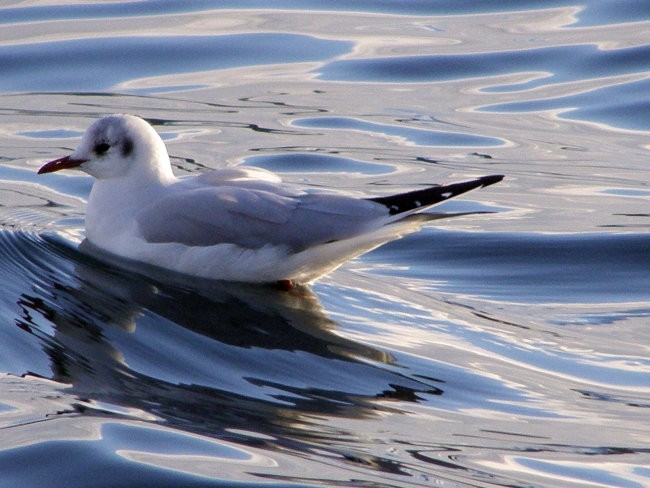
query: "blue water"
560, 64
420, 137
607, 105
604, 12
505, 344
100, 63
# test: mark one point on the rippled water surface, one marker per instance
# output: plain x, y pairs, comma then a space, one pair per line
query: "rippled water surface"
506, 344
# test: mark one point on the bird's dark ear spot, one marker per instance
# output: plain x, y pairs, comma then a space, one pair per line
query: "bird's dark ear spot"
127, 147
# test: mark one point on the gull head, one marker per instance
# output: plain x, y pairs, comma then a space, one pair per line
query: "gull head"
117, 146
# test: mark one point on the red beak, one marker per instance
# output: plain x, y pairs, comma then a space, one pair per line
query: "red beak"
61, 163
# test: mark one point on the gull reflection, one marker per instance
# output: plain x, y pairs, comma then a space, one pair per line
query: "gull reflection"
221, 359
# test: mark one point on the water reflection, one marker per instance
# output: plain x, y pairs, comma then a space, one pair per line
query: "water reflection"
556, 64
624, 105
207, 357
595, 13
418, 137
100, 63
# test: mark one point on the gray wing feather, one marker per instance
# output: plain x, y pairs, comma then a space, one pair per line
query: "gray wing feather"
253, 218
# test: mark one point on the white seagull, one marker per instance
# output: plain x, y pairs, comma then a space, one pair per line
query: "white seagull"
235, 224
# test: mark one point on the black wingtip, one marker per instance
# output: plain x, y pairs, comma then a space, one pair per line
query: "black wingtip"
420, 199
491, 180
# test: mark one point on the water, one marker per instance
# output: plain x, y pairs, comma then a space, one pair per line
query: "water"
504, 345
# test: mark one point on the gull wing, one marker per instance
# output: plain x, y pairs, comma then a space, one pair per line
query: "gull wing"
251, 208
413, 201
253, 218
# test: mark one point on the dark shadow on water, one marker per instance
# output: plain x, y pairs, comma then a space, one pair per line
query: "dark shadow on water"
205, 357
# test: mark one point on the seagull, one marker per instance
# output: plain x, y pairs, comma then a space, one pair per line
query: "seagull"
232, 224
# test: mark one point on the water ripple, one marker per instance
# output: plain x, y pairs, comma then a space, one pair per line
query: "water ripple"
594, 13
497, 350
410, 135
624, 105
534, 268
100, 63
557, 64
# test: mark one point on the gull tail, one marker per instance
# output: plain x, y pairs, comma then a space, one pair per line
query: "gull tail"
410, 202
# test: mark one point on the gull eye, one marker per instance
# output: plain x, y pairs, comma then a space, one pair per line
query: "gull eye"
102, 148
127, 147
